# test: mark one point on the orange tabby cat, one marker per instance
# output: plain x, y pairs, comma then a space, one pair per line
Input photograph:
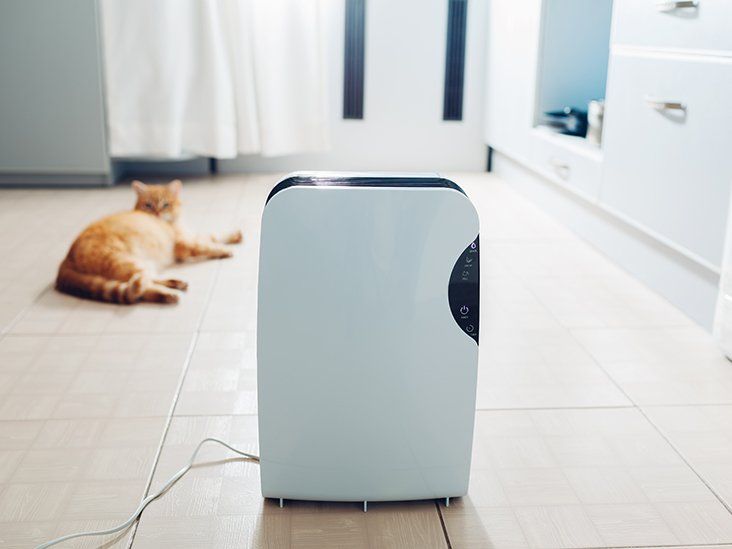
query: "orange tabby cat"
117, 258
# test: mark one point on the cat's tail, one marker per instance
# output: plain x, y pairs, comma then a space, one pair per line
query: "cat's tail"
97, 287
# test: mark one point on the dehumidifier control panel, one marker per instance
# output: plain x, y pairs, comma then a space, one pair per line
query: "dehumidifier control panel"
464, 290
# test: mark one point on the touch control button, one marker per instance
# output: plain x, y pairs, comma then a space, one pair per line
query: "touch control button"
469, 328
464, 310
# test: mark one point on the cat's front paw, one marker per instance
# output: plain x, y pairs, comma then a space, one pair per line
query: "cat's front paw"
236, 237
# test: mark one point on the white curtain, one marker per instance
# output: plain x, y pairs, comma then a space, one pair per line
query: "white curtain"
214, 77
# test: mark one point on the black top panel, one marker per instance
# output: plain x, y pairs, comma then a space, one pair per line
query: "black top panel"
362, 181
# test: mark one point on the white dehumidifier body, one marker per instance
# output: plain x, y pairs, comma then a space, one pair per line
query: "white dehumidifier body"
367, 338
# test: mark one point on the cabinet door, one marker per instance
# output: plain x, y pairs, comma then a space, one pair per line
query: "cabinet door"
569, 161
51, 105
668, 167
656, 23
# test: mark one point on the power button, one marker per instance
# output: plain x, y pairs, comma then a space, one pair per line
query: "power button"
464, 310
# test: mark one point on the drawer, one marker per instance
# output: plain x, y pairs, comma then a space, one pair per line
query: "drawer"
646, 23
669, 168
570, 161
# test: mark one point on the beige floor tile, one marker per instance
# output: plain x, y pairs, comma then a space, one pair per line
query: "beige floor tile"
203, 403
550, 527
18, 435
9, 461
347, 530
513, 452
104, 499
671, 484
114, 541
485, 490
493, 528
178, 532
16, 406
33, 502
255, 531
607, 485
26, 534
645, 451
397, 526
703, 435
52, 465
669, 382
582, 451
69, 433
634, 524
545, 486
696, 523
120, 463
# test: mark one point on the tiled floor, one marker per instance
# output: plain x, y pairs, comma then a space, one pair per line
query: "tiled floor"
604, 415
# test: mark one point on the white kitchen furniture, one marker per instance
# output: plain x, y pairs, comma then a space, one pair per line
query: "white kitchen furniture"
52, 122
655, 195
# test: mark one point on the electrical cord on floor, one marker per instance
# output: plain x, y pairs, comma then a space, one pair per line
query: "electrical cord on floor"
145, 502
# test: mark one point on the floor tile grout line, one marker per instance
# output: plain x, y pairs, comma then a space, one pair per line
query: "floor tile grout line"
179, 388
640, 410
687, 462
166, 428
657, 429
534, 408
443, 525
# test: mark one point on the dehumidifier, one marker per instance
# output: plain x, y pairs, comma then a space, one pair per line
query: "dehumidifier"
367, 342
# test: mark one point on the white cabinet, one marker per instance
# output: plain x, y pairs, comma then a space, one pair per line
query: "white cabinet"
669, 167
655, 196
569, 161
51, 101
701, 25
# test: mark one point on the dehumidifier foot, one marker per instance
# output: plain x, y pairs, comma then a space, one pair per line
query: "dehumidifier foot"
282, 503
365, 506
447, 502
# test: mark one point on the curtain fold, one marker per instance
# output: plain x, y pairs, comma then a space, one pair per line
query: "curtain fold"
213, 78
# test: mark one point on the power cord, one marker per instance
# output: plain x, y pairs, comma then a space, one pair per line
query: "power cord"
145, 502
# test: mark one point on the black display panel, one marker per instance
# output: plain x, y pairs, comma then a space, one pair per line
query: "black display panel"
464, 290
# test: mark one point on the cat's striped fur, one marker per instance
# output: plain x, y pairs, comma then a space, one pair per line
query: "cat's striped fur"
117, 259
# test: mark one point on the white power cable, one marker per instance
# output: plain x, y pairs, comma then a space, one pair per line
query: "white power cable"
145, 502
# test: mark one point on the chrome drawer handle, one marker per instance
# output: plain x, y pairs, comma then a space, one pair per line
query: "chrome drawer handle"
663, 105
672, 5
562, 169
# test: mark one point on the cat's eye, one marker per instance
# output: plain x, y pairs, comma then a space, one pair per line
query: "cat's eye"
165, 206
149, 205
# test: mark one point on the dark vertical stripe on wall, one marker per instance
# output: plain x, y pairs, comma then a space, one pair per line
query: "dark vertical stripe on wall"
457, 16
353, 68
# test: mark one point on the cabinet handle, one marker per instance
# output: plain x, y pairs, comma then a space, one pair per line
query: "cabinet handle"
664, 105
562, 169
672, 5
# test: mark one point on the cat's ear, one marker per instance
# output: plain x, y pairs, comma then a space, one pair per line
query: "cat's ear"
175, 186
139, 187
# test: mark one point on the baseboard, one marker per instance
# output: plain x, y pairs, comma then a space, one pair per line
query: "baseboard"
161, 169
688, 285
55, 180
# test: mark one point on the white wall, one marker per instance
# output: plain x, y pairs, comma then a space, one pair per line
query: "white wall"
402, 127
513, 43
